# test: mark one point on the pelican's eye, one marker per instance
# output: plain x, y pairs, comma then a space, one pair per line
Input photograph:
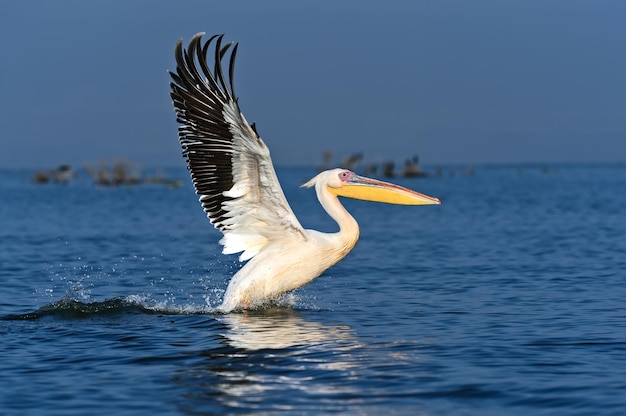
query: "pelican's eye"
345, 176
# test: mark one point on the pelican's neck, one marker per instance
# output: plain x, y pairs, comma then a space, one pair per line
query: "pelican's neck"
348, 227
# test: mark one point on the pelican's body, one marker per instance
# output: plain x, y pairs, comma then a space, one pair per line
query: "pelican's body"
232, 172
294, 260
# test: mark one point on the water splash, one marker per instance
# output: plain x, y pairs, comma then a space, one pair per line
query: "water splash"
68, 308
78, 304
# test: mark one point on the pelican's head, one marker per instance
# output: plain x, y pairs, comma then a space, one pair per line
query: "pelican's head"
343, 182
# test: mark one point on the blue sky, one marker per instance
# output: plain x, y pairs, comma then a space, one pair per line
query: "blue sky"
453, 81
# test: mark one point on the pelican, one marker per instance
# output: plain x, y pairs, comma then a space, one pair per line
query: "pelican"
232, 171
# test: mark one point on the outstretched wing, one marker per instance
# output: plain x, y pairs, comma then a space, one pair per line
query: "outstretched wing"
229, 164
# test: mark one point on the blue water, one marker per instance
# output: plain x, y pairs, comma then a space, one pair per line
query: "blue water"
510, 298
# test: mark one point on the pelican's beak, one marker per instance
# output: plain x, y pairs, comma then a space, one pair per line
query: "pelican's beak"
359, 187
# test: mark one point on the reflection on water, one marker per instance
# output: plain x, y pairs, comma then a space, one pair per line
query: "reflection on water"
278, 328
265, 355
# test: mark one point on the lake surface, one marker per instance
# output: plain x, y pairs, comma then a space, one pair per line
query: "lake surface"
509, 298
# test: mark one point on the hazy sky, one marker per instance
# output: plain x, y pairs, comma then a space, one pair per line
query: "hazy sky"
453, 81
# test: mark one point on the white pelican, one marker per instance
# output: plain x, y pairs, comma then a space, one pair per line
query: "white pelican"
233, 173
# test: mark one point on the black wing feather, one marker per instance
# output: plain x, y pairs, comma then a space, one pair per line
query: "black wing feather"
199, 97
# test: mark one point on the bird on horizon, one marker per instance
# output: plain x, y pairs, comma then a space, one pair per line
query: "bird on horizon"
232, 171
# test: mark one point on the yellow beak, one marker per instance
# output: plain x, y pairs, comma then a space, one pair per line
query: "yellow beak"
368, 189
